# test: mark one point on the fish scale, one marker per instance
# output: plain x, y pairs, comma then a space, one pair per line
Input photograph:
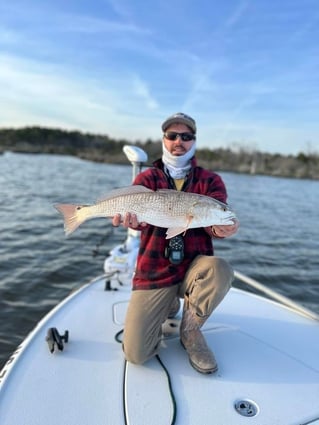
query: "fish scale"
165, 208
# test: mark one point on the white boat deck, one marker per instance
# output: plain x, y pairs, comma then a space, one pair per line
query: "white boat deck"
268, 373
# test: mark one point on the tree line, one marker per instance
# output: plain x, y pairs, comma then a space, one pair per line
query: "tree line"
102, 148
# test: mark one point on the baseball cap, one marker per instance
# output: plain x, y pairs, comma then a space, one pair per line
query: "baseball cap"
179, 118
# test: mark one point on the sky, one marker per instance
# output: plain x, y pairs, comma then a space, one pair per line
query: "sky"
246, 70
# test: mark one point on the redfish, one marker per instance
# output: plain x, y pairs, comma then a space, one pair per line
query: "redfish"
171, 209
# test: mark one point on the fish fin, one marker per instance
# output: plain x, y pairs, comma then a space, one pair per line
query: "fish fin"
174, 231
71, 218
189, 220
128, 190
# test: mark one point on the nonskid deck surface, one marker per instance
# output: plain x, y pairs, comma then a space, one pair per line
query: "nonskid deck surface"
267, 356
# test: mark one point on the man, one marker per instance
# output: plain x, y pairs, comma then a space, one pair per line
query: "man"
183, 267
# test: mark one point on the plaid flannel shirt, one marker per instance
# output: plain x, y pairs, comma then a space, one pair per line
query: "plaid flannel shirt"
153, 270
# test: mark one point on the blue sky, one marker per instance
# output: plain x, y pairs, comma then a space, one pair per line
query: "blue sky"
246, 70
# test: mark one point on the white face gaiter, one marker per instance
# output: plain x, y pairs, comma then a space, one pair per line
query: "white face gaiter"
178, 166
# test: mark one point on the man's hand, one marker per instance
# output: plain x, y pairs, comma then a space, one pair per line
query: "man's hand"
129, 220
225, 231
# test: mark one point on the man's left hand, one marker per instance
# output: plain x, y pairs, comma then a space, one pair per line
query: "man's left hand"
225, 231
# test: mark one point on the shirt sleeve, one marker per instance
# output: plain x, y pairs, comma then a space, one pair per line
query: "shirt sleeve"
217, 189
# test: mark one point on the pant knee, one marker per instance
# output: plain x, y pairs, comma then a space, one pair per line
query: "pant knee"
216, 273
223, 273
135, 357
208, 284
139, 353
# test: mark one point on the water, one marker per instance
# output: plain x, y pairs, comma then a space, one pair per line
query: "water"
277, 244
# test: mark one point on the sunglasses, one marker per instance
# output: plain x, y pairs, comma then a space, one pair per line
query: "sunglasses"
173, 135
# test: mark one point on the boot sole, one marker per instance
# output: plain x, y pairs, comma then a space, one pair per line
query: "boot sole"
204, 371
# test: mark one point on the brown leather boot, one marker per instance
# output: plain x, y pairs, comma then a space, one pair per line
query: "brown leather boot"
200, 356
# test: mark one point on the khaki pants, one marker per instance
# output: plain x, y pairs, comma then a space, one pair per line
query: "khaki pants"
206, 283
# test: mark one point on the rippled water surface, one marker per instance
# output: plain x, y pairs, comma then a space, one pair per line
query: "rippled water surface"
277, 244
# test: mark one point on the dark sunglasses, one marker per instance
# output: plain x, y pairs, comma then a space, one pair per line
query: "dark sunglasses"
173, 135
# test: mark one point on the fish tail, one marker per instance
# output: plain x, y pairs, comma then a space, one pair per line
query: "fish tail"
72, 217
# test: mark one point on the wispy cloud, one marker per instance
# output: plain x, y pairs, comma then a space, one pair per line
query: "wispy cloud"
42, 94
93, 25
237, 14
141, 89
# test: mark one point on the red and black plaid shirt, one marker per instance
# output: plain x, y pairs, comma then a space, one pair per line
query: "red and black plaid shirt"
153, 270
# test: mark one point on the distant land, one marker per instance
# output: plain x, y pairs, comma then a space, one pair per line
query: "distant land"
102, 148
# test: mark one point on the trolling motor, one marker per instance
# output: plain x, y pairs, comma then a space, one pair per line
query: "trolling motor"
136, 156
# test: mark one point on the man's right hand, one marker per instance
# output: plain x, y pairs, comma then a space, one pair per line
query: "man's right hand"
128, 220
